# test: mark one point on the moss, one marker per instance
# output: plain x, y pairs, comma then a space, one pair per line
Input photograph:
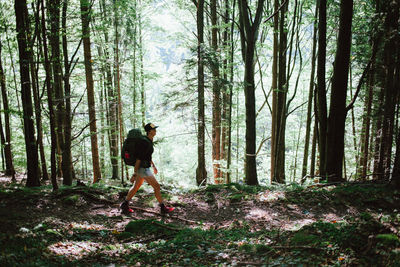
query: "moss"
71, 200
150, 226
388, 239
235, 197
301, 238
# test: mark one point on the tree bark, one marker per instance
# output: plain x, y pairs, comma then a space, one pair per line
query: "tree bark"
119, 121
22, 21
248, 38
9, 168
111, 100
274, 88
66, 165
49, 89
85, 16
54, 12
216, 104
391, 91
310, 98
366, 125
281, 107
338, 112
321, 87
201, 173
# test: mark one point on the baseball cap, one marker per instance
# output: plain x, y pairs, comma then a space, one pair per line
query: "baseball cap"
149, 126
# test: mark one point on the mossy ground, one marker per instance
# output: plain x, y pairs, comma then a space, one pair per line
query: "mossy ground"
219, 225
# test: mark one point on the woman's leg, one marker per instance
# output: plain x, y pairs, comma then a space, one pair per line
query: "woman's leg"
135, 188
151, 180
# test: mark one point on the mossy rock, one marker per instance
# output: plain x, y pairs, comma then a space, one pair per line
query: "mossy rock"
235, 197
71, 200
388, 239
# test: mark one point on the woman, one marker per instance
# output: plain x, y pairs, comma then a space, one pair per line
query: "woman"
143, 172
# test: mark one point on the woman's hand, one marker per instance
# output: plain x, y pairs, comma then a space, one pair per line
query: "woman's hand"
155, 169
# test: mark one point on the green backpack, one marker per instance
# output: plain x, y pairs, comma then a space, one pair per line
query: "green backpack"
129, 150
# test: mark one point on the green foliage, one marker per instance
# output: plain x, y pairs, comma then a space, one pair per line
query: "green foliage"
150, 226
71, 200
390, 240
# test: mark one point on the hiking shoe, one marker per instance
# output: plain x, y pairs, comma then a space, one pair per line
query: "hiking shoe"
165, 209
124, 207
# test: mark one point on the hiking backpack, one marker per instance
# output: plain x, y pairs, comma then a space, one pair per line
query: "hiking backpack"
129, 148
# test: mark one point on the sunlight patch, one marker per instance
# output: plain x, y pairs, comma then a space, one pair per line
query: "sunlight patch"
296, 225
270, 196
74, 250
86, 226
258, 214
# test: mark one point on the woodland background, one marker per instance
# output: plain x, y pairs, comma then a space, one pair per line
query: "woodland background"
257, 92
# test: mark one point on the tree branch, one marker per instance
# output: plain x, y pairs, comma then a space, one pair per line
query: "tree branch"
279, 9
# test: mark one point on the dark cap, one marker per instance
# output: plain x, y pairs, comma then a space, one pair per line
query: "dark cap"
149, 127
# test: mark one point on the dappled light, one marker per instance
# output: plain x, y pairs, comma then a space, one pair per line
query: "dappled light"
231, 224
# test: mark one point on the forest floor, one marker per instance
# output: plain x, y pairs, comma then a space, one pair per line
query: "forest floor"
218, 225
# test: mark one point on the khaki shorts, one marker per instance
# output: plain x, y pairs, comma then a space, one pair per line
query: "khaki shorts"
144, 172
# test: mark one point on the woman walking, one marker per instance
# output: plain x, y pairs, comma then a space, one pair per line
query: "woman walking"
143, 172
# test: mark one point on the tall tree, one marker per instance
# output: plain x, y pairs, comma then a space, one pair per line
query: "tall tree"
112, 98
54, 38
391, 91
321, 87
338, 110
248, 37
9, 170
201, 173
67, 166
85, 16
216, 84
274, 87
49, 89
22, 20
117, 86
281, 97
310, 98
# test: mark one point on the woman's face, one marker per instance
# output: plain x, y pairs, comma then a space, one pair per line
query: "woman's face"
152, 132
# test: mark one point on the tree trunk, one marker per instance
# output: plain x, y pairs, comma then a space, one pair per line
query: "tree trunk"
22, 21
231, 55
54, 12
49, 89
225, 94
201, 173
321, 87
365, 132
338, 112
35, 87
248, 38
274, 88
396, 165
142, 89
85, 16
391, 91
66, 165
111, 100
281, 111
118, 121
310, 98
216, 105
9, 170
